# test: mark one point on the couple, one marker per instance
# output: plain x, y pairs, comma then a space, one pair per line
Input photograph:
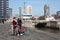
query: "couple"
16, 23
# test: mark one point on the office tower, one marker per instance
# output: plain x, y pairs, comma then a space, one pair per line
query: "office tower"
46, 11
20, 11
10, 13
24, 8
4, 5
58, 14
29, 9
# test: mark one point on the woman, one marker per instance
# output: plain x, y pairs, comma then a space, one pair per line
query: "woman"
14, 22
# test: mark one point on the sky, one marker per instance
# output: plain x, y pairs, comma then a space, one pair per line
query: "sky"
37, 6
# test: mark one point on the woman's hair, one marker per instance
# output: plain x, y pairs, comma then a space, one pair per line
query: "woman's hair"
13, 17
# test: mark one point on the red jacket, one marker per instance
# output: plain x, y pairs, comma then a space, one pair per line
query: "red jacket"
14, 24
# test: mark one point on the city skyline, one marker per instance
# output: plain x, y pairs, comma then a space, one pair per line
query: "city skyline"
37, 6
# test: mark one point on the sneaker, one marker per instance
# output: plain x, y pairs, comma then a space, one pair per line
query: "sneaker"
17, 34
21, 34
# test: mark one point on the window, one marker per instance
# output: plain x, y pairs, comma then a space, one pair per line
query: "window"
2, 1
2, 8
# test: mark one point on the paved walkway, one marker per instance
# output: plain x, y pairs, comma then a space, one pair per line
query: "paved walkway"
32, 34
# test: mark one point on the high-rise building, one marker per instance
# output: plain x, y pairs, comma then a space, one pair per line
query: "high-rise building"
27, 14
20, 11
58, 14
10, 13
46, 11
24, 7
4, 5
29, 9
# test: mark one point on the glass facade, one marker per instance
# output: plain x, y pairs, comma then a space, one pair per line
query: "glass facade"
4, 5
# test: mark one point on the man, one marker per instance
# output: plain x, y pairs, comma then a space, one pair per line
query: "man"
19, 24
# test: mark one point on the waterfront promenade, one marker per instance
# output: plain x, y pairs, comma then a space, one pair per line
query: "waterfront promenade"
32, 33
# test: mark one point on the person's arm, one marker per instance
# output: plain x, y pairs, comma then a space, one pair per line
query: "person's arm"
12, 22
21, 22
